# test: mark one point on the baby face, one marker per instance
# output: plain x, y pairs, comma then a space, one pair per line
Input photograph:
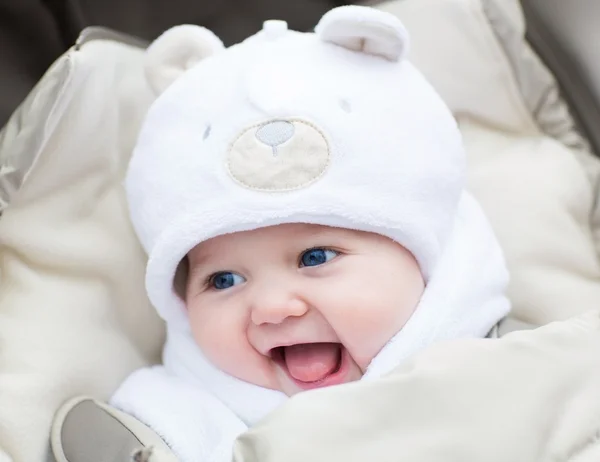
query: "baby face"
295, 307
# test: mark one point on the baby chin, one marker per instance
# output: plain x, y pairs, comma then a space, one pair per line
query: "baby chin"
307, 366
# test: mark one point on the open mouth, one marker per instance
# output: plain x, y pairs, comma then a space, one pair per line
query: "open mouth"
313, 365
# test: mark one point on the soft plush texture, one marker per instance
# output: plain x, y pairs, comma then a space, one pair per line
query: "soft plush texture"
102, 117
268, 152
179, 184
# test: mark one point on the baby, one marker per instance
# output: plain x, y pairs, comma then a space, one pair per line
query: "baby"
301, 199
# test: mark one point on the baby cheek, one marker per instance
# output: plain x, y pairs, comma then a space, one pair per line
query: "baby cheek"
368, 324
205, 331
217, 335
367, 335
220, 333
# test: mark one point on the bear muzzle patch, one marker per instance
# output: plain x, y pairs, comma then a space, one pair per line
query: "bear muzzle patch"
278, 155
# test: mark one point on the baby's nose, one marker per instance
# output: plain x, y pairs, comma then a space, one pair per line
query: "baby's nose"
275, 133
277, 311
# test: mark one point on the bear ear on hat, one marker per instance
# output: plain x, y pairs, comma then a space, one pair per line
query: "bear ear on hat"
176, 51
365, 29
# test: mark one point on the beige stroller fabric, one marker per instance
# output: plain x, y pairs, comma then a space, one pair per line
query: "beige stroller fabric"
531, 396
74, 318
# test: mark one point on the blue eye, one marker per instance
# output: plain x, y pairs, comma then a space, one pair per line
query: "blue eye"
316, 257
225, 280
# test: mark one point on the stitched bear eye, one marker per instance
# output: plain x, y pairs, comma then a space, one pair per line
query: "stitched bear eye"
345, 105
206, 132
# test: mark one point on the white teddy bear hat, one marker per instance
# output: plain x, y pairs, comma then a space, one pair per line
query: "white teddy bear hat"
334, 127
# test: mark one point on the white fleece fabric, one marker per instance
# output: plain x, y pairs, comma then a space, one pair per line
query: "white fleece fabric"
335, 128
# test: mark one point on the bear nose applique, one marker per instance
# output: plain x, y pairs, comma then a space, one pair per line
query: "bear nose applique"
275, 133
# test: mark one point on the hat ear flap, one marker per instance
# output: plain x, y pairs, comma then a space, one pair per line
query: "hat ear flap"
176, 51
365, 30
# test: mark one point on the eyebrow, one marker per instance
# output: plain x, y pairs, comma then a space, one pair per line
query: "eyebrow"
329, 232
321, 232
197, 268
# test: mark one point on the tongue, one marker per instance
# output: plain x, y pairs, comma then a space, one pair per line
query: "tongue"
311, 362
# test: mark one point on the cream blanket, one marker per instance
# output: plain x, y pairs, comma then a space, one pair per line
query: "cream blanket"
532, 396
